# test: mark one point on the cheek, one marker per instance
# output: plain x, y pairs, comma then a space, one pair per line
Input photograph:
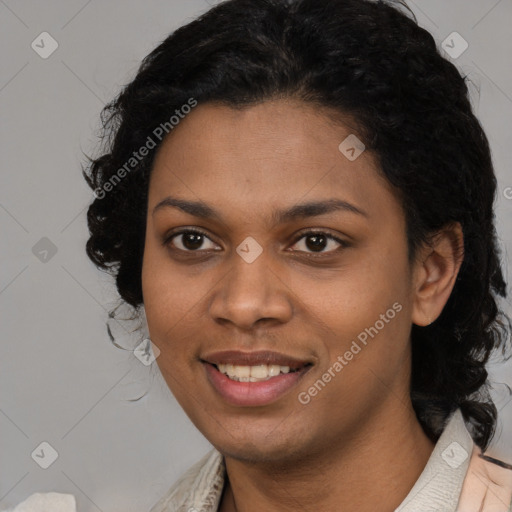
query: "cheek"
169, 300
358, 294
367, 302
169, 305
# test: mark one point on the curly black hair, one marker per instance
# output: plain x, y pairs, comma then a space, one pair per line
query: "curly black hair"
362, 58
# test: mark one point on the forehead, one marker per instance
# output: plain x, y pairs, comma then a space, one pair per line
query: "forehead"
276, 152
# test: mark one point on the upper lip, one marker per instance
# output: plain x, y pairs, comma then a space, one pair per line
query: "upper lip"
255, 358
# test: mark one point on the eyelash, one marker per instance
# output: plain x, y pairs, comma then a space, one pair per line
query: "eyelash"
168, 239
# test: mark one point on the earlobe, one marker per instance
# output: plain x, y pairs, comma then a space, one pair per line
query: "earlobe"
436, 269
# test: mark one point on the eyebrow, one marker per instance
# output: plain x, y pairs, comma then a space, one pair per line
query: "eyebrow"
308, 209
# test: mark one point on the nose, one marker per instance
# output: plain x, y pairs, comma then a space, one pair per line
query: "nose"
251, 293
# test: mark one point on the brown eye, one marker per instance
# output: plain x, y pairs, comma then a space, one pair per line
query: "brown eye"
316, 242
189, 240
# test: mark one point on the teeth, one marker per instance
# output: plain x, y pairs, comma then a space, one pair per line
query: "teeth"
261, 371
242, 372
274, 370
252, 373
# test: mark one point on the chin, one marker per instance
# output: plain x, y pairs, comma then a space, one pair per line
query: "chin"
284, 453
267, 443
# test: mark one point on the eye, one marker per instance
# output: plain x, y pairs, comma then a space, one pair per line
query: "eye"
312, 242
189, 240
317, 241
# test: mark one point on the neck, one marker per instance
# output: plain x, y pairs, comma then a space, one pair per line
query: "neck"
374, 471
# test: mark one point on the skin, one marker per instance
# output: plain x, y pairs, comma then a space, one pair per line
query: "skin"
361, 428
487, 487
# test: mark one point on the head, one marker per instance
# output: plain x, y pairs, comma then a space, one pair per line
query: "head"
247, 116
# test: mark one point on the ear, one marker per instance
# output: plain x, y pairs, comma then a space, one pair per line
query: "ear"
435, 272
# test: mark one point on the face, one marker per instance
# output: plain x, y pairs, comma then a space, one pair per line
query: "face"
271, 255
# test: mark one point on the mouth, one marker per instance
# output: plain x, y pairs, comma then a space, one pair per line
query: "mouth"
256, 373
253, 378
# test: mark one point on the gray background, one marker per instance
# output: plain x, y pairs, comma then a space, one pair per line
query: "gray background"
61, 380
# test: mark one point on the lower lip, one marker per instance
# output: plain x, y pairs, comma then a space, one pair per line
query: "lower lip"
252, 393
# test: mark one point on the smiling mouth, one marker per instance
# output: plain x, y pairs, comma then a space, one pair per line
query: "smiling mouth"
252, 379
255, 366
257, 373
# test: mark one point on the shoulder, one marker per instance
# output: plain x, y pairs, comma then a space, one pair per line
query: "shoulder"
457, 479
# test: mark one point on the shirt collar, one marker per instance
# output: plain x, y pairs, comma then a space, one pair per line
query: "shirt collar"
439, 485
